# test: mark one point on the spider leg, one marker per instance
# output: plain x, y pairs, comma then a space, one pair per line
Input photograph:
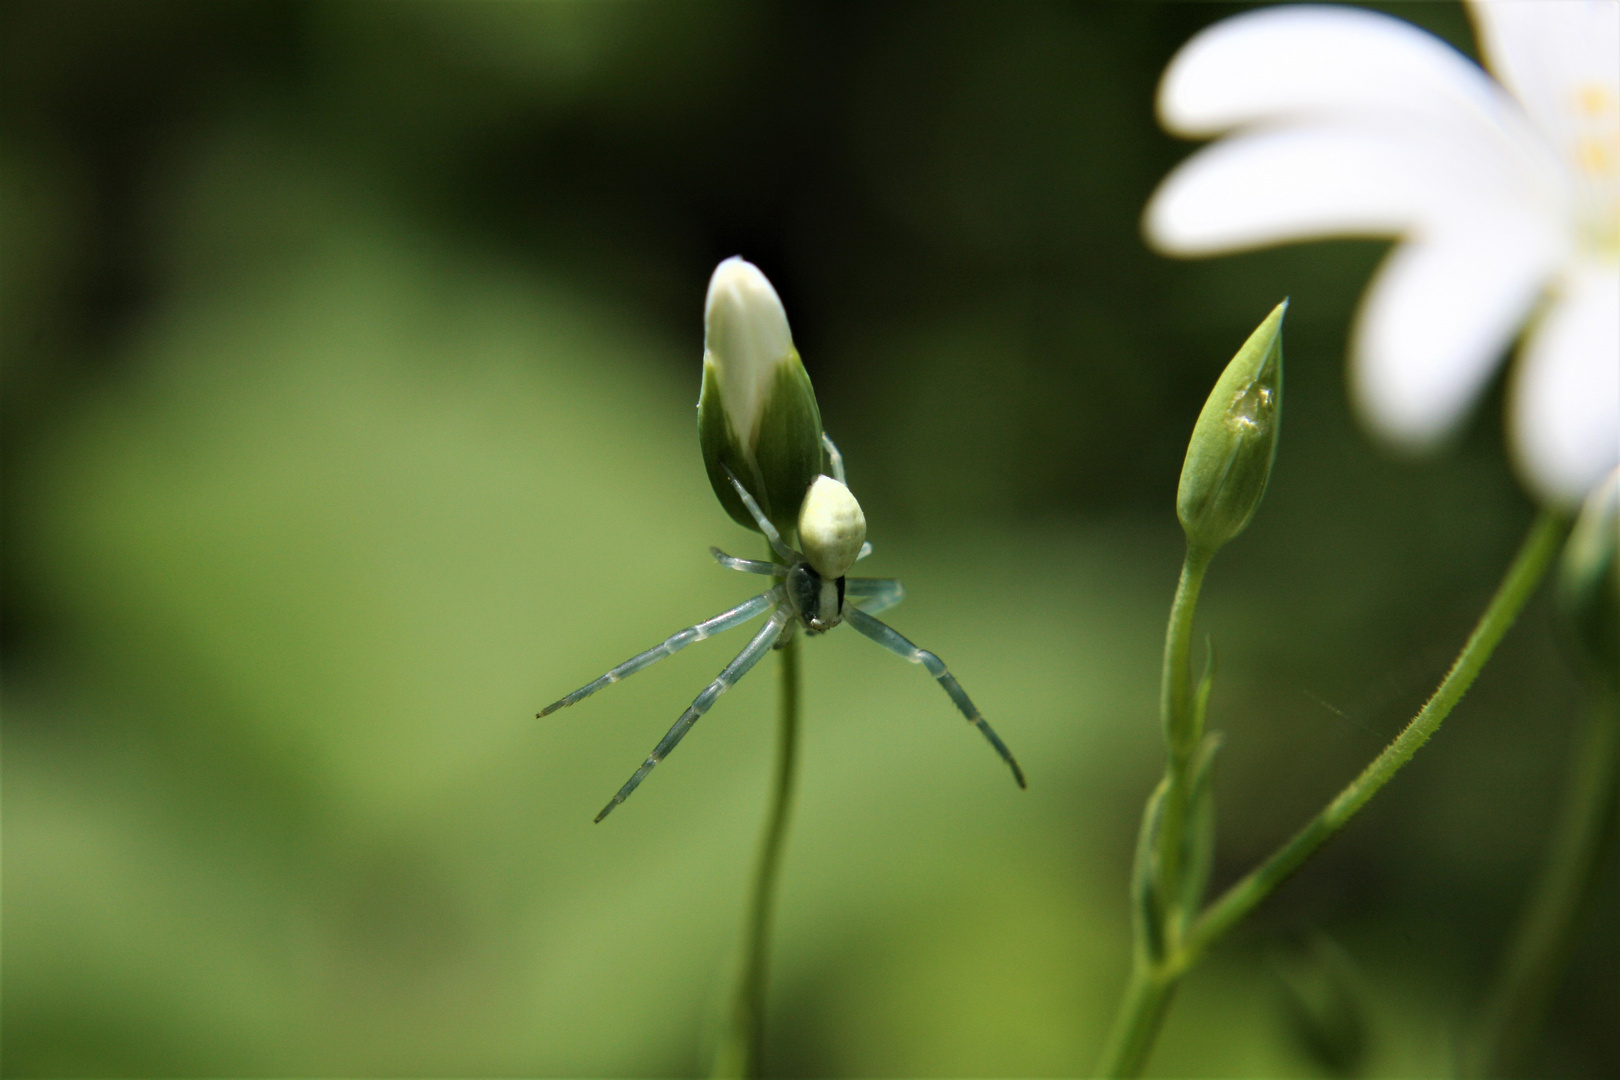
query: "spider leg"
674, 643
834, 458
785, 553
758, 647
890, 639
874, 594
747, 566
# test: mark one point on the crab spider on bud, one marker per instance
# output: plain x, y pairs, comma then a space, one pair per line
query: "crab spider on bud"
763, 447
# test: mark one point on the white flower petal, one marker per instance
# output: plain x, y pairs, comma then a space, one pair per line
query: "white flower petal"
1438, 317
1301, 183
1290, 62
745, 334
1561, 60
1565, 410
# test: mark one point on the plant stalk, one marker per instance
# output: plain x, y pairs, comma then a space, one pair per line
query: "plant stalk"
1153, 981
1525, 573
1159, 865
1175, 679
1147, 999
742, 1052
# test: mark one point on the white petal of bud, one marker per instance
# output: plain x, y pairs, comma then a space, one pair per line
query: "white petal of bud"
831, 527
745, 336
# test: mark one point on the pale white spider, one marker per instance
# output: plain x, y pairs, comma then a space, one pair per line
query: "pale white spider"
815, 599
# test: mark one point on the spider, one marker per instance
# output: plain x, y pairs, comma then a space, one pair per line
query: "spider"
804, 598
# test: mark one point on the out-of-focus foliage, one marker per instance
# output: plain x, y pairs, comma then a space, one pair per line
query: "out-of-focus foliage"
349, 360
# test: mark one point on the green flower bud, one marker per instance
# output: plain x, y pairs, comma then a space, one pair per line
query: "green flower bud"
757, 412
1589, 579
1234, 442
831, 527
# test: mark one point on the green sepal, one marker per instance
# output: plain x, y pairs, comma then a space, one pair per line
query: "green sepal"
721, 446
1234, 442
1147, 891
1198, 832
787, 457
1206, 683
789, 453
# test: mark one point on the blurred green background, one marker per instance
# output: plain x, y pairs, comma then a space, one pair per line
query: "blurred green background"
350, 353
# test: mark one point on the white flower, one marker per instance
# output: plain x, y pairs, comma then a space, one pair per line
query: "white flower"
1505, 194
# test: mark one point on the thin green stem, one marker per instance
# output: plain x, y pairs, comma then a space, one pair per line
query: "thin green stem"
1542, 943
1181, 724
1526, 572
1175, 678
1153, 980
1156, 877
742, 1053
1147, 999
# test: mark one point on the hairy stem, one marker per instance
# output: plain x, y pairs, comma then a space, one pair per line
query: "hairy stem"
1154, 978
1546, 934
742, 1053
1525, 573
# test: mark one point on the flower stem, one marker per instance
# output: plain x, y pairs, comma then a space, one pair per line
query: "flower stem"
1175, 680
1156, 877
1541, 945
742, 1052
1141, 1011
1525, 573
1161, 962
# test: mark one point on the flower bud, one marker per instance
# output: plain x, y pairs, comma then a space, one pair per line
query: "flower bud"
1234, 442
1589, 579
831, 527
757, 412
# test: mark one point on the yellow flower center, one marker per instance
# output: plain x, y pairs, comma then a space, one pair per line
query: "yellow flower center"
1596, 153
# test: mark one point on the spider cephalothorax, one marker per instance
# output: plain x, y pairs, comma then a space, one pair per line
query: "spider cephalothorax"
814, 593
818, 603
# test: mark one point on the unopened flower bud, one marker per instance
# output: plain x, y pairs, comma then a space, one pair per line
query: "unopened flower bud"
1589, 579
831, 527
757, 412
1234, 442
